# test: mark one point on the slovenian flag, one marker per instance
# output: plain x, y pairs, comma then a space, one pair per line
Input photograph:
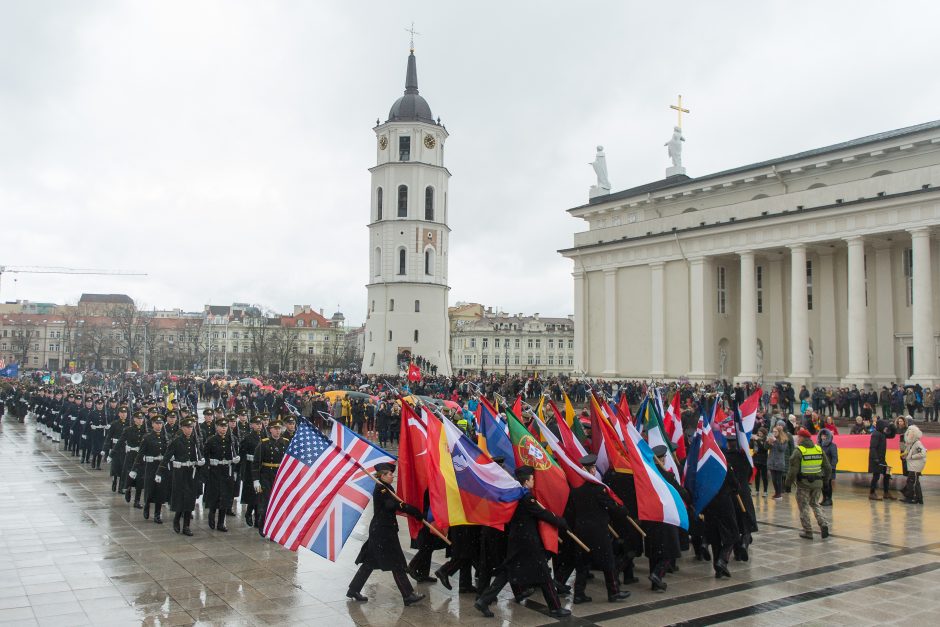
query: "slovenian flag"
465, 486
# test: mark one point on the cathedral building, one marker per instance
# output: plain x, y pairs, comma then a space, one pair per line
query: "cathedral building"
408, 239
819, 267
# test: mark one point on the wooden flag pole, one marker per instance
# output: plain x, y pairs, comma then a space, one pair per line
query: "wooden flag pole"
741, 503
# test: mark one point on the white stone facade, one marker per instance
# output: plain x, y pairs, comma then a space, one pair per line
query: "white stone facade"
514, 345
408, 245
836, 248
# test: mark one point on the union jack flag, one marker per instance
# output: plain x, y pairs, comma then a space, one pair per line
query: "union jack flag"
321, 489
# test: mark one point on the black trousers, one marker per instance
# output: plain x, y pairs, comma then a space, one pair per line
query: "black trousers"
885, 481
827, 489
581, 577
464, 565
421, 563
761, 476
502, 578
912, 489
398, 574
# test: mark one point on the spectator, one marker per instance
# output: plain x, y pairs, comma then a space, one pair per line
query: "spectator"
831, 451
900, 426
830, 425
777, 447
877, 465
916, 460
759, 454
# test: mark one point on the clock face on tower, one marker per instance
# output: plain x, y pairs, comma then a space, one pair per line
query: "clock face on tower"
429, 141
383, 142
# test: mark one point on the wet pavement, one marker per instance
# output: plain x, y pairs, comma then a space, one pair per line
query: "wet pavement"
74, 553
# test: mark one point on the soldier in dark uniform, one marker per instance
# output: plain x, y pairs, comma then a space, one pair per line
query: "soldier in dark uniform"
593, 511
97, 425
630, 544
721, 525
79, 431
747, 519
663, 546
419, 568
290, 428
68, 412
233, 433
492, 548
147, 466
172, 426
464, 556
57, 405
246, 451
183, 458
382, 550
130, 442
268, 458
115, 453
525, 563
222, 456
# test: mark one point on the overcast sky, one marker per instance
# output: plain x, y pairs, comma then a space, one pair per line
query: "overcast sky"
223, 147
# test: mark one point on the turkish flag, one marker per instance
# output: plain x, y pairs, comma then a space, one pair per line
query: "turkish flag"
414, 373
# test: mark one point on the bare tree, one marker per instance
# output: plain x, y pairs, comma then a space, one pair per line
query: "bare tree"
259, 330
96, 343
131, 321
283, 345
23, 334
194, 347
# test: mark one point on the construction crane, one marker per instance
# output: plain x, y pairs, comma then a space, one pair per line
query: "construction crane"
63, 270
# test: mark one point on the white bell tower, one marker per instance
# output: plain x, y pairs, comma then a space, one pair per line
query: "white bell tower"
408, 239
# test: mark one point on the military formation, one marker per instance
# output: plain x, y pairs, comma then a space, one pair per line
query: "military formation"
158, 455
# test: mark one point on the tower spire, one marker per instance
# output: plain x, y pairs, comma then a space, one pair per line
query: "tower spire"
413, 33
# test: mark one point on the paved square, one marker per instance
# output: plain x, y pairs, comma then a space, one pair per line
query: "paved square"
74, 553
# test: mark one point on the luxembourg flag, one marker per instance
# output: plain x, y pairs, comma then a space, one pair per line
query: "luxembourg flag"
705, 466
656, 499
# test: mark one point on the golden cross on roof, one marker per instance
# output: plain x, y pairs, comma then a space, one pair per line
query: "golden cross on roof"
678, 108
413, 33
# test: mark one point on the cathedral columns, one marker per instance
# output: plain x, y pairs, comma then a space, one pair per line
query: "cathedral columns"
799, 318
925, 350
580, 340
701, 316
657, 320
827, 355
857, 314
748, 326
610, 322
885, 368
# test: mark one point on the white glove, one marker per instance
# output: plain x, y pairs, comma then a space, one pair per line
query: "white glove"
201, 462
132, 474
158, 479
257, 485
236, 459
108, 459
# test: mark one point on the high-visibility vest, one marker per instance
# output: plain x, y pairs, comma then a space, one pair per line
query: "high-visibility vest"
811, 462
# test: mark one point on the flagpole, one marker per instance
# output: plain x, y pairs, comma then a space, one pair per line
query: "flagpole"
433, 529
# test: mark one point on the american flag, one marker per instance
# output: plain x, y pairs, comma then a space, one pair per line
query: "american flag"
311, 481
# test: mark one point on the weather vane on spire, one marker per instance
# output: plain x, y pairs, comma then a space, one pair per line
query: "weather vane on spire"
413, 33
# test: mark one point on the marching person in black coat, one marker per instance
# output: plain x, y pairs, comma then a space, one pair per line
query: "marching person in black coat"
721, 524
246, 451
184, 458
147, 466
79, 432
222, 457
130, 442
663, 546
593, 508
630, 544
382, 550
115, 453
526, 563
96, 428
268, 458
747, 519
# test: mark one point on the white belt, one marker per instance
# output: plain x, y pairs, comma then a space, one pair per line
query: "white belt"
115, 440
183, 464
152, 458
132, 448
250, 458
81, 422
219, 462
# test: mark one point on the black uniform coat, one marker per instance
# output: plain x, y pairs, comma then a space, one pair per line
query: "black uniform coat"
592, 514
246, 450
131, 439
622, 485
382, 550
154, 445
877, 448
737, 461
115, 452
220, 480
526, 562
721, 520
96, 428
182, 449
662, 539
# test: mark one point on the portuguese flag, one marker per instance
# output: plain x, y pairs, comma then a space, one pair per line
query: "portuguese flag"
551, 486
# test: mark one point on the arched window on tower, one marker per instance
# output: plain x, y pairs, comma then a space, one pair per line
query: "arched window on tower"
402, 201
429, 261
429, 203
378, 204
401, 261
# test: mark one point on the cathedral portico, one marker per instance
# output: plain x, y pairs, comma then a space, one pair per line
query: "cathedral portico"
814, 268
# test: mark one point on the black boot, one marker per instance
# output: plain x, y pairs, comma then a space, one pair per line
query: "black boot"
156, 515
211, 519
114, 485
187, 518
248, 519
176, 521
137, 504
147, 511
220, 526
127, 495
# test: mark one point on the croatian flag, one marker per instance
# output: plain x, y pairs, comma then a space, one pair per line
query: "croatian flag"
705, 466
748, 410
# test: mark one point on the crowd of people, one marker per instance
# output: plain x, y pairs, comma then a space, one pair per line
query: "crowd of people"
159, 451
